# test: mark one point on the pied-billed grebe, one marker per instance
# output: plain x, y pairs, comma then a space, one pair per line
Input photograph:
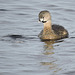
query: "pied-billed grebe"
51, 32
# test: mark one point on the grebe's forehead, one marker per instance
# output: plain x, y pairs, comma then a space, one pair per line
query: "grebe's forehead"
43, 14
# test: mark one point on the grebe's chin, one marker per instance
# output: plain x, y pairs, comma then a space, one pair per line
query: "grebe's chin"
51, 32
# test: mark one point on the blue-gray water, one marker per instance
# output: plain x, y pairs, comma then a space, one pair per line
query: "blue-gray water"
30, 56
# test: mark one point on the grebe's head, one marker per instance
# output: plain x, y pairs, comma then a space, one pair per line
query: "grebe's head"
44, 16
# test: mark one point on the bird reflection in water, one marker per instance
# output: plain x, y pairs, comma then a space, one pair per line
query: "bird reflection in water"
52, 64
48, 47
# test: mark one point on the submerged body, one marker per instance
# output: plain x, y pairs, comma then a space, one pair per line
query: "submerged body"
51, 32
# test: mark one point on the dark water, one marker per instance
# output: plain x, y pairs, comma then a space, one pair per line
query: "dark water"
30, 56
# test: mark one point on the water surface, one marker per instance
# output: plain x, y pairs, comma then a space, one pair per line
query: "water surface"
29, 55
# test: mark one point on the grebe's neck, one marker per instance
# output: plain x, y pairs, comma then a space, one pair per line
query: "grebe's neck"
47, 26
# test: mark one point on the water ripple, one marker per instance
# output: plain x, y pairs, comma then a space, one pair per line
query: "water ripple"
4, 10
